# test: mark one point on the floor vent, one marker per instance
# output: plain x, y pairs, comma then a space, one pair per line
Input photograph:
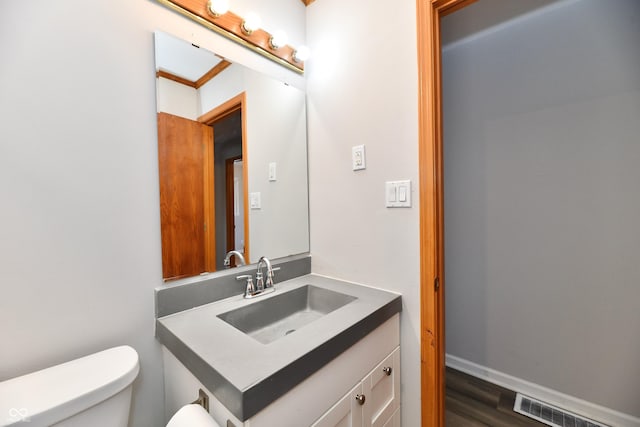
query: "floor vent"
551, 415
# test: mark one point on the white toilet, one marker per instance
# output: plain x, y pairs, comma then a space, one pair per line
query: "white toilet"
91, 391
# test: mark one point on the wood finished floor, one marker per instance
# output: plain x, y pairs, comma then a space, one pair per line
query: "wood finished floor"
472, 402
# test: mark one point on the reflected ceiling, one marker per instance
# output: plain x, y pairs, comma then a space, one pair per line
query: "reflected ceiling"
182, 59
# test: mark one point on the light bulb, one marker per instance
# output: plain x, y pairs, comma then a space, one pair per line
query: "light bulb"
301, 54
251, 23
277, 40
218, 7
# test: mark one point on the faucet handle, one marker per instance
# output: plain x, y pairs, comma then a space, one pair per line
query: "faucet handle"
250, 289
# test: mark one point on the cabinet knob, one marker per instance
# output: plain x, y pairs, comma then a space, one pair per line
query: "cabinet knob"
387, 370
360, 398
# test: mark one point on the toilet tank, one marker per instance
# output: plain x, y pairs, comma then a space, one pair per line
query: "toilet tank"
97, 387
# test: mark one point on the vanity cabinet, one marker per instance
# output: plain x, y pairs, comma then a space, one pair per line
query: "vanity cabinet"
324, 399
373, 402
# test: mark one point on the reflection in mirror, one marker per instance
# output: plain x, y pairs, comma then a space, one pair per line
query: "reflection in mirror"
229, 188
232, 159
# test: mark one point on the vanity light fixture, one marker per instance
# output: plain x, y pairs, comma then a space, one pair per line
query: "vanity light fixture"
218, 7
301, 54
277, 40
215, 15
251, 23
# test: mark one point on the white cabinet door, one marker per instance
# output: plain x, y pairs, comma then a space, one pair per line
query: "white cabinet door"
346, 413
394, 421
382, 390
373, 402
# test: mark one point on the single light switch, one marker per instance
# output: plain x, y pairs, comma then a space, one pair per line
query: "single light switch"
254, 200
392, 191
402, 193
272, 171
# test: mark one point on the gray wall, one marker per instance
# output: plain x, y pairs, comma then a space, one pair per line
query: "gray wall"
542, 199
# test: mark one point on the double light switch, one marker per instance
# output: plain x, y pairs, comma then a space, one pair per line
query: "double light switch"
398, 194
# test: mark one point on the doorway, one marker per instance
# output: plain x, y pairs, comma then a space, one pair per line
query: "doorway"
193, 191
234, 206
432, 274
230, 170
596, 195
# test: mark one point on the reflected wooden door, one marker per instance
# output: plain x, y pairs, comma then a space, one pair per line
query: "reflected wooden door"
185, 162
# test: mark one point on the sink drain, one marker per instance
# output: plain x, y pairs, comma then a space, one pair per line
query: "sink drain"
289, 331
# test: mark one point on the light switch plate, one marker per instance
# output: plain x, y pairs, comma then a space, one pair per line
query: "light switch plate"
254, 201
398, 194
358, 157
272, 171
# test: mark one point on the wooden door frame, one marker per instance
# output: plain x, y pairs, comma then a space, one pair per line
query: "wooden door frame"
238, 102
432, 343
209, 206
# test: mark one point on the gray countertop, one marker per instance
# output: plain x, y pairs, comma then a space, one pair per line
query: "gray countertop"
246, 375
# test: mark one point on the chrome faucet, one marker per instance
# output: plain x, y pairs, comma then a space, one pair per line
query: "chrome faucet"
261, 283
262, 286
227, 258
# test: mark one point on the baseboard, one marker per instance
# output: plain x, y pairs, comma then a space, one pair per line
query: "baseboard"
553, 397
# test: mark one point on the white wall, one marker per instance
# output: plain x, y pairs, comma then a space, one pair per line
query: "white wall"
542, 149
177, 99
362, 89
226, 85
276, 132
79, 224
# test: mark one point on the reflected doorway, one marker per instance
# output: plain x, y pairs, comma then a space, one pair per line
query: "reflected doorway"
228, 122
194, 191
234, 205
228, 176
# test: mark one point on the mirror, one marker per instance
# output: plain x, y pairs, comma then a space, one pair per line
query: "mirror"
232, 157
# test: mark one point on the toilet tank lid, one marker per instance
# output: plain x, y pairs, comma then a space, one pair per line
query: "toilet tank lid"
53, 394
